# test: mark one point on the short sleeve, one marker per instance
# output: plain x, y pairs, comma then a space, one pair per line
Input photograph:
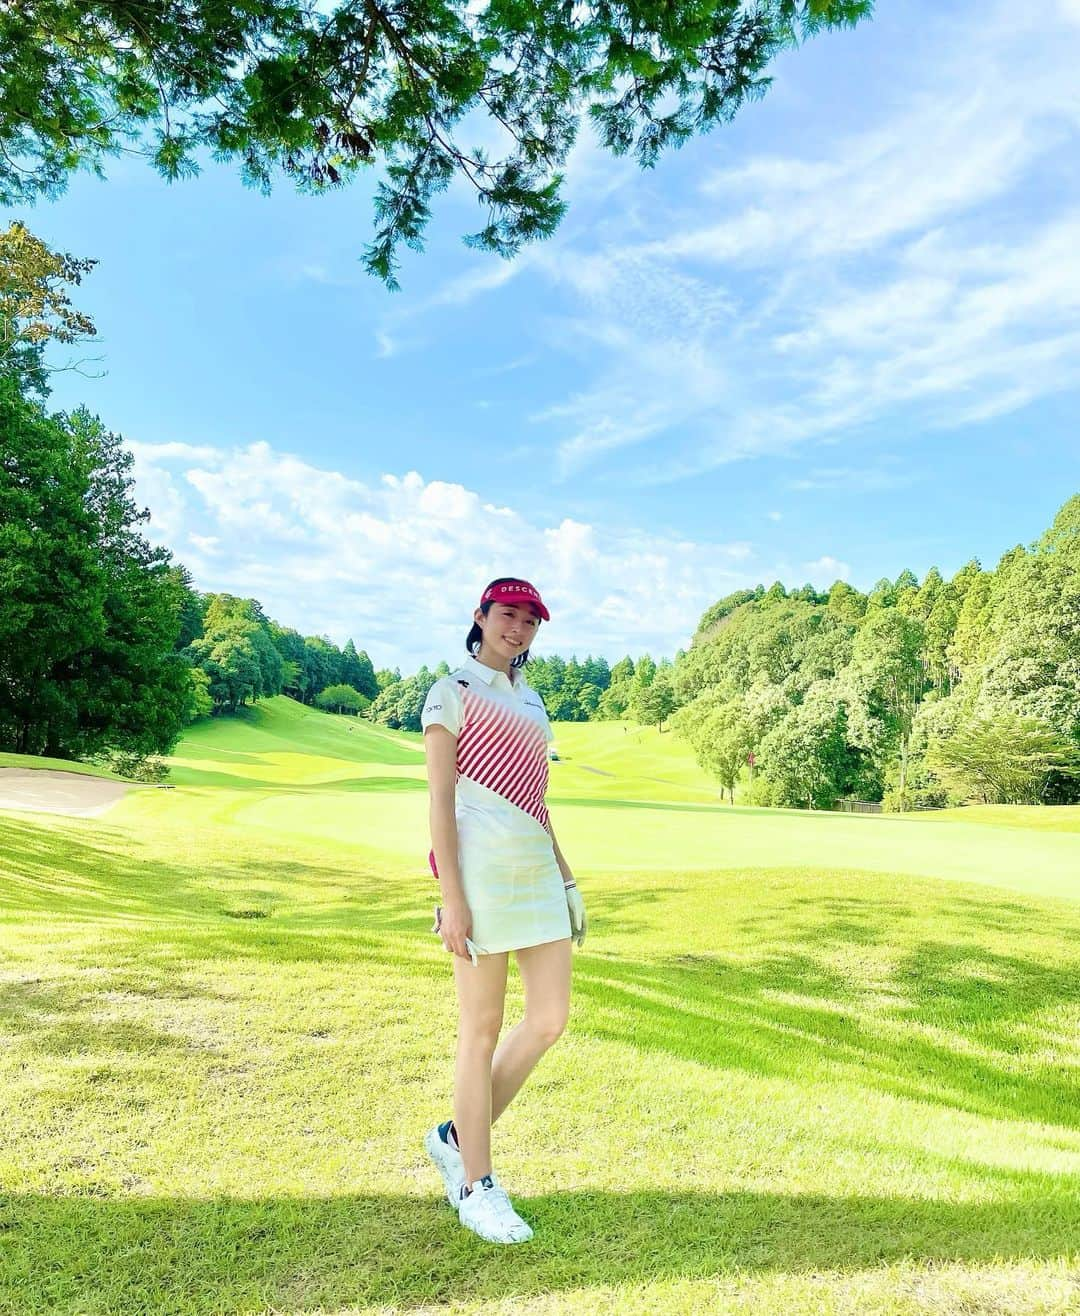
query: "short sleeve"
442, 707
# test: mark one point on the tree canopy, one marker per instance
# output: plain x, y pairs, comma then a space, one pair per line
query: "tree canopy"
319, 93
917, 694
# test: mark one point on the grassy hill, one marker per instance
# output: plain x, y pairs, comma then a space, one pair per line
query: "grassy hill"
31, 761
816, 1062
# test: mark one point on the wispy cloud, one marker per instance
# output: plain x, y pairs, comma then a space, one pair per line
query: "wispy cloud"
901, 270
853, 479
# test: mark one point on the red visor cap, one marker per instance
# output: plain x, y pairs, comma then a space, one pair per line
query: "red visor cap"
516, 591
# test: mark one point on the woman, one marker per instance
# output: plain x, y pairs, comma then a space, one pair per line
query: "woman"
505, 887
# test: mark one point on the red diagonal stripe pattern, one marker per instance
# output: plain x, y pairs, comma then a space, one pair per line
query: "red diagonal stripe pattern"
504, 751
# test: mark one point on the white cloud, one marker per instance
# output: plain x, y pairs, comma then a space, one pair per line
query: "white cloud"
398, 564
825, 570
901, 270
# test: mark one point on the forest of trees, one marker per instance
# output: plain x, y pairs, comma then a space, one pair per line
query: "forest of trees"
588, 691
239, 655
918, 693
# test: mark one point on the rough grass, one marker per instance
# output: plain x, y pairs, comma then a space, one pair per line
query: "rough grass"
831, 1064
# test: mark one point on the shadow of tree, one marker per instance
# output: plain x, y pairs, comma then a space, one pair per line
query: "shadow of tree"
229, 1255
948, 1020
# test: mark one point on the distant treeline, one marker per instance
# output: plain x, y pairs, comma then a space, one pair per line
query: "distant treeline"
918, 693
239, 655
572, 691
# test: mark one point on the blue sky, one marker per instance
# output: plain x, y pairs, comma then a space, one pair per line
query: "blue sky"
834, 339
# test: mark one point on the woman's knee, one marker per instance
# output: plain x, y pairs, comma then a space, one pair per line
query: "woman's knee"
548, 1027
480, 1031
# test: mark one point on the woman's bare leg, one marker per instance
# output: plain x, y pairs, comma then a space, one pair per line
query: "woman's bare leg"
481, 990
545, 972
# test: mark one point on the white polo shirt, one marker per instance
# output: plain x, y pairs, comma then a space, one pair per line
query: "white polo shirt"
502, 732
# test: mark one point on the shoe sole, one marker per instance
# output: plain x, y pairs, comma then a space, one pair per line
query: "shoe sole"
433, 1145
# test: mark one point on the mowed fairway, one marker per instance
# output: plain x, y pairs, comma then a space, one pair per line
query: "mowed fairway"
815, 1063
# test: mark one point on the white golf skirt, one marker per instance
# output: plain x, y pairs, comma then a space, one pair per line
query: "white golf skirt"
513, 888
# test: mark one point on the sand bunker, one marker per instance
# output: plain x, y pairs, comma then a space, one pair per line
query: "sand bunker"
41, 790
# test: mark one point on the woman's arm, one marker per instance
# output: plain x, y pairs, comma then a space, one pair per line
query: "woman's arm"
560, 858
574, 902
440, 748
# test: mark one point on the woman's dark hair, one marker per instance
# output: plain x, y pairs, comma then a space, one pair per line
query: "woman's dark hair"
475, 637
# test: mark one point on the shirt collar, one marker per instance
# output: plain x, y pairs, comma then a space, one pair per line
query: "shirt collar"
487, 674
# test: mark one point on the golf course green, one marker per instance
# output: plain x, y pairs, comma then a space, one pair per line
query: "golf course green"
816, 1062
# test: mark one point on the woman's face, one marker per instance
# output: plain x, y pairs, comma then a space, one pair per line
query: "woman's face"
508, 629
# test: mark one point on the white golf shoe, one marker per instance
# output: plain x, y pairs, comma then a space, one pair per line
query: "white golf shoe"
487, 1212
449, 1164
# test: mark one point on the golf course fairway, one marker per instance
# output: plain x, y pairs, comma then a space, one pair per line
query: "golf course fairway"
816, 1062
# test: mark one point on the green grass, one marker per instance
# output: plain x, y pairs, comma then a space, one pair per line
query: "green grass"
58, 765
816, 1063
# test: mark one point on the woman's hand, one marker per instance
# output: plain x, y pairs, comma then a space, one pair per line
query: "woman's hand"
454, 924
576, 906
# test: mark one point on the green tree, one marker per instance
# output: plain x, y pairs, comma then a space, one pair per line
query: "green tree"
595, 671
201, 703
887, 656
192, 610
615, 700
34, 304
236, 633
295, 669
654, 703
721, 738
385, 677
323, 93
588, 701
357, 671
89, 612
366, 682
341, 699
846, 605
321, 665
806, 757
52, 588
229, 658
972, 634
400, 704
1004, 758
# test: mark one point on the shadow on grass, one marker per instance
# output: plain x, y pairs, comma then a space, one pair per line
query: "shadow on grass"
67, 1255
100, 873
906, 998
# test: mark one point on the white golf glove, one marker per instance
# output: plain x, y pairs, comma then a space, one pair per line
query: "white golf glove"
578, 921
